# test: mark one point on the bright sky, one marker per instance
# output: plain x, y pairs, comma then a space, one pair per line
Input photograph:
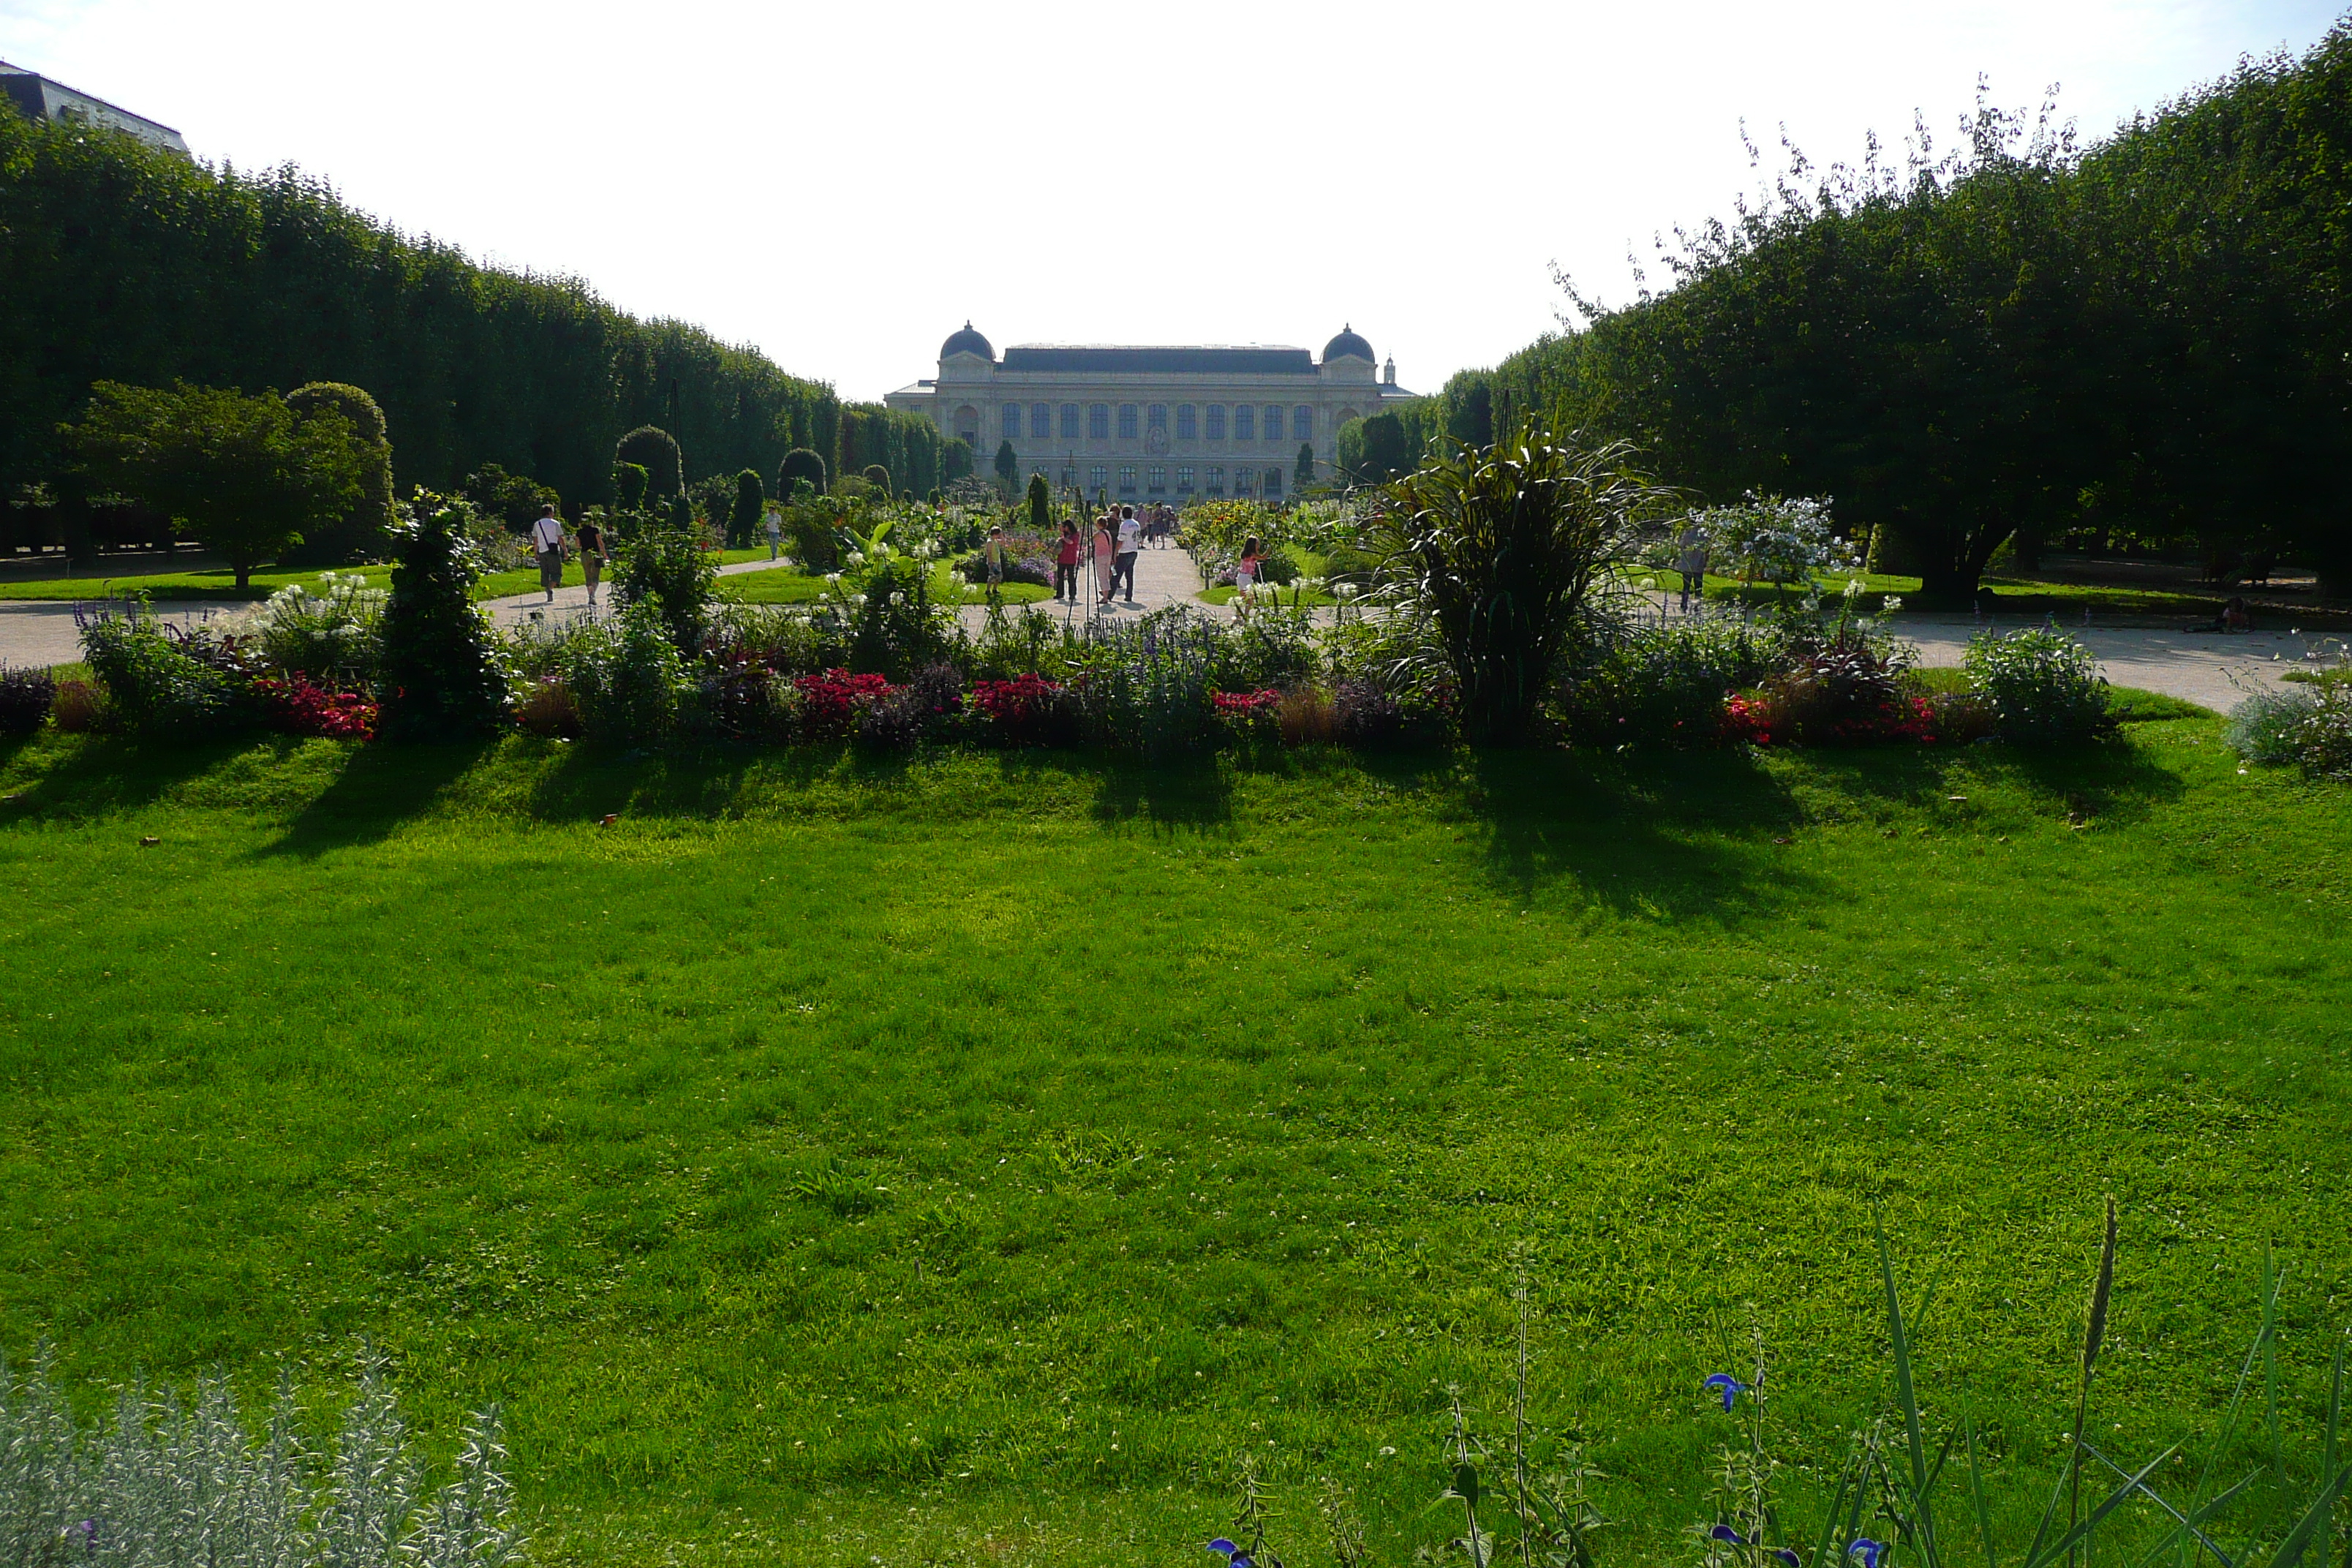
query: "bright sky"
841, 185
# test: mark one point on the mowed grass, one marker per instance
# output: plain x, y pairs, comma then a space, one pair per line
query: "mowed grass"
791, 587
222, 584
966, 1159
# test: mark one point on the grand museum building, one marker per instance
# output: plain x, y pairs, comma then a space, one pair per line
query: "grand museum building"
1153, 423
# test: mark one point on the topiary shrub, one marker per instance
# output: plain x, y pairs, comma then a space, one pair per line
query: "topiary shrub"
879, 477
655, 450
1041, 505
441, 677
800, 463
629, 482
750, 500
364, 533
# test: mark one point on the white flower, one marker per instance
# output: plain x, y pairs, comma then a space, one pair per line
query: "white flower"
1853, 587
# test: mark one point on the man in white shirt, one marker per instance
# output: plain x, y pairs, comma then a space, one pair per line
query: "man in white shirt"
1130, 540
547, 540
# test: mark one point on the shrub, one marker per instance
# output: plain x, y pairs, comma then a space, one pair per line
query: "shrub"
1149, 684
2042, 684
1772, 539
79, 707
26, 697
297, 707
513, 500
668, 570
800, 464
1346, 563
898, 629
333, 631
1365, 716
1247, 714
879, 478
1041, 505
164, 1482
628, 683
440, 667
1498, 552
750, 502
2308, 725
1027, 559
829, 702
655, 450
629, 483
547, 709
814, 530
364, 532
1278, 568
156, 685
1028, 710
1667, 684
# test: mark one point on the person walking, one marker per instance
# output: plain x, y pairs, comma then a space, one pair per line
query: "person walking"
1130, 540
993, 555
1103, 562
775, 523
547, 543
1691, 565
591, 553
1065, 563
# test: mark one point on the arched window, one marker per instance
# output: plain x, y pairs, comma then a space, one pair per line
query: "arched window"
1069, 478
1302, 422
1273, 481
1069, 422
1216, 480
1183, 481
1127, 424
1217, 422
1098, 479
1040, 421
1188, 425
1274, 421
1245, 423
1012, 421
1098, 424
1127, 478
1155, 480
967, 426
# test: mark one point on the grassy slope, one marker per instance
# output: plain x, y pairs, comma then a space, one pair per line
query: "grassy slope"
883, 1156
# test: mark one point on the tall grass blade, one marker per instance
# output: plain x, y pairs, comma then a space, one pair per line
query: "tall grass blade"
1905, 1395
2066, 1546
2094, 1334
2184, 1522
2314, 1519
1977, 1496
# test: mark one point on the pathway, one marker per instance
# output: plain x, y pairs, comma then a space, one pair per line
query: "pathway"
1162, 577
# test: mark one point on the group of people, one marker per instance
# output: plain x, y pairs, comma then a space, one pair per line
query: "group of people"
547, 545
1118, 537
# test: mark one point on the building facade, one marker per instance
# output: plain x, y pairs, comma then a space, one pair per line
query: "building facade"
1153, 423
38, 98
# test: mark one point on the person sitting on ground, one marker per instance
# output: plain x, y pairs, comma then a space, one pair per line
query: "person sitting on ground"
547, 543
2232, 617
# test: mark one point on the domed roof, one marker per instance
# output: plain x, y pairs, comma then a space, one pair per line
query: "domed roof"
1349, 343
968, 341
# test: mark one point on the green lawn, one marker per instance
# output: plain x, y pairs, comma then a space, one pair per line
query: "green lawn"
2025, 597
222, 584
789, 587
962, 1159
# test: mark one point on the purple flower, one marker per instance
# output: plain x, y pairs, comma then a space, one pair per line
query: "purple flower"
1725, 1532
1731, 1386
1867, 1550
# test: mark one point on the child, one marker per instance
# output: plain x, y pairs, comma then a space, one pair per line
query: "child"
1246, 573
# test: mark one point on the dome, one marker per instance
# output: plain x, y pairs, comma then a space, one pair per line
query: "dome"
1348, 344
968, 341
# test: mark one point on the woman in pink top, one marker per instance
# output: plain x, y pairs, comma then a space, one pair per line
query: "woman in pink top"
1246, 573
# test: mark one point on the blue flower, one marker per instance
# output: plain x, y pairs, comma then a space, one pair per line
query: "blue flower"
1867, 1550
1222, 1545
1725, 1532
1731, 1386
1234, 1556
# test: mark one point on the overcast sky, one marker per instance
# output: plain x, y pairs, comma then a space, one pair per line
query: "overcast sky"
843, 184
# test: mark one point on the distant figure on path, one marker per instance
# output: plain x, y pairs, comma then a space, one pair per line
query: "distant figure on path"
1065, 563
993, 553
1130, 540
1691, 565
1103, 565
774, 524
547, 540
591, 553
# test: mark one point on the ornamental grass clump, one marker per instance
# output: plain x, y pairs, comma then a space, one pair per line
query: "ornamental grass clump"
164, 1482
1500, 550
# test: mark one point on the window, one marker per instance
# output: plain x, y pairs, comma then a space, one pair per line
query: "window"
1155, 480
1245, 423
1098, 479
1126, 423
1156, 416
1098, 421
1184, 481
1126, 478
1273, 482
1216, 424
1302, 422
1274, 421
1011, 421
1188, 427
1216, 480
1040, 421
1069, 421
1070, 476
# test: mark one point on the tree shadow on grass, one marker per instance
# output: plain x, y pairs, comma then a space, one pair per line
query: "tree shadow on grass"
380, 787
1663, 835
1181, 792
107, 775
2113, 780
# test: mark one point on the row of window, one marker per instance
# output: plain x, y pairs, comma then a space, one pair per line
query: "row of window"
1246, 482
1191, 422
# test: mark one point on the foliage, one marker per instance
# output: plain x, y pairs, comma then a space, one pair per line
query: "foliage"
248, 475
896, 626
877, 475
667, 568
1008, 469
1303, 474
1027, 711
630, 483
364, 532
831, 699
515, 499
1378, 449
298, 706
907, 447
26, 697
331, 629
1666, 684
657, 451
2043, 685
164, 1482
750, 505
1769, 539
1499, 553
161, 681
440, 676
624, 677
1843, 693
799, 466
131, 263
2309, 725
1041, 506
